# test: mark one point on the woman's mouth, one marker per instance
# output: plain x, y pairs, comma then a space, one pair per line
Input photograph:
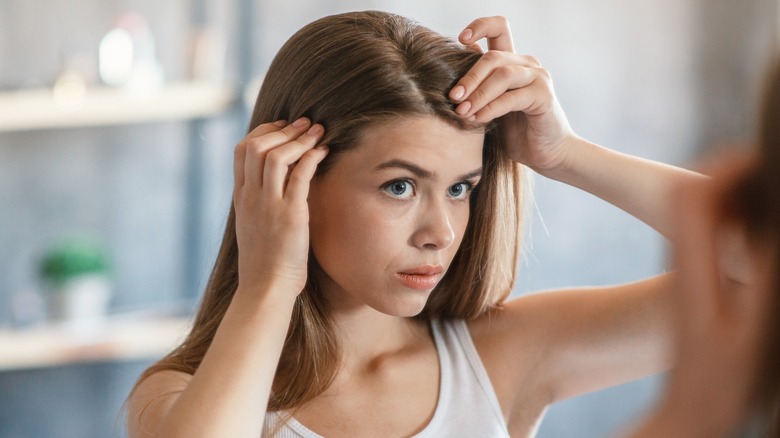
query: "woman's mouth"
423, 278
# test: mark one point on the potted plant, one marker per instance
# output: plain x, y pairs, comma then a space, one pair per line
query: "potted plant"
78, 285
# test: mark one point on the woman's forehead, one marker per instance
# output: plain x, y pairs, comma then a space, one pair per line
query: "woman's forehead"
425, 131
424, 140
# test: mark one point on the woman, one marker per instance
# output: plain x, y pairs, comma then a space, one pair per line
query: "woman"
360, 288
727, 377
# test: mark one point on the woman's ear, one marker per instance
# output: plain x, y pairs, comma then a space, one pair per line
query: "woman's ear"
736, 259
744, 267
723, 243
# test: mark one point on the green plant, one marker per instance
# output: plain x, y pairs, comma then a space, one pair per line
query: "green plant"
71, 259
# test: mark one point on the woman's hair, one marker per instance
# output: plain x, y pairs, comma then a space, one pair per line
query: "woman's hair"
347, 72
756, 201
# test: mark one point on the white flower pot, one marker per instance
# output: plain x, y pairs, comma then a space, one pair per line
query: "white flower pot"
81, 298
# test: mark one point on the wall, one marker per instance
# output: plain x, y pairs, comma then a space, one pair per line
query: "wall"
131, 186
661, 79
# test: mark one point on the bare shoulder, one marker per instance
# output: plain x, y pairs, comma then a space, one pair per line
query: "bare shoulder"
562, 343
151, 400
508, 343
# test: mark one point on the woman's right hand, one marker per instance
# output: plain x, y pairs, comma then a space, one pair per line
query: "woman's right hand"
273, 168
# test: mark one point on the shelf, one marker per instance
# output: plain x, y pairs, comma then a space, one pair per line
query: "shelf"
113, 339
38, 109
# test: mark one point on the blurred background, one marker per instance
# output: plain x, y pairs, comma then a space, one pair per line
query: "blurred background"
117, 125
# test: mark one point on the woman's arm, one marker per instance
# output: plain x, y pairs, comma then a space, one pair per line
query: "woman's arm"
228, 394
584, 339
638, 186
555, 345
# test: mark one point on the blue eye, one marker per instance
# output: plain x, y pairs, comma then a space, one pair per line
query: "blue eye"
460, 190
399, 189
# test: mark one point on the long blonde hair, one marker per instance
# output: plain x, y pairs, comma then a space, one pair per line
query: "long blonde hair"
346, 72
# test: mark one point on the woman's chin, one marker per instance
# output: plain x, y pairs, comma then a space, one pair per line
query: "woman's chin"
406, 308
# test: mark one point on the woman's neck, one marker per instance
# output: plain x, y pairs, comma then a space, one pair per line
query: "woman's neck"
368, 336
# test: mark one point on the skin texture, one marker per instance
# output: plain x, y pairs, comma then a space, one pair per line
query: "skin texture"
416, 221
537, 349
396, 202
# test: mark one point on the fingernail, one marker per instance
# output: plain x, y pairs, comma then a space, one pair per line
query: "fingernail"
315, 129
463, 108
324, 147
472, 117
301, 122
281, 123
465, 35
458, 92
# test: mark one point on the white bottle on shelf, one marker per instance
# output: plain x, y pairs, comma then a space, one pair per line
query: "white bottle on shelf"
127, 57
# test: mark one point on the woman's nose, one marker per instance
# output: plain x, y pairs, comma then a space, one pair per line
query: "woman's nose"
434, 230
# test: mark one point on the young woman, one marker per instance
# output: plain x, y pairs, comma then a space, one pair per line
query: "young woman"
726, 381
374, 236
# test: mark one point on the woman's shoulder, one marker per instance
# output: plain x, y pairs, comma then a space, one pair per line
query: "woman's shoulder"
151, 398
511, 318
165, 380
543, 341
514, 339
508, 344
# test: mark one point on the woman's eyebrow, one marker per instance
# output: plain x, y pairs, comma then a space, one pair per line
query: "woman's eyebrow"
418, 171
472, 174
421, 173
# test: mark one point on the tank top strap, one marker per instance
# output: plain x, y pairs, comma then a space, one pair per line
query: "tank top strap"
471, 394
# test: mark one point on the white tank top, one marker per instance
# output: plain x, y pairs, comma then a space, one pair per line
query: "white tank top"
467, 405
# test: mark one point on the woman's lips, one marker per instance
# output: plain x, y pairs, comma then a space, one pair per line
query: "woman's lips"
421, 277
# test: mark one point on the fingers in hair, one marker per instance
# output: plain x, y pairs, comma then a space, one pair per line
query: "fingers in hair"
301, 175
279, 160
257, 147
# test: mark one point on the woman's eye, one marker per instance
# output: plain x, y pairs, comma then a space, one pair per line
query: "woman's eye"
399, 189
459, 190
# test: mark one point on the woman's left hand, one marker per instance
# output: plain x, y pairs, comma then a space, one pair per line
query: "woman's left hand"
517, 89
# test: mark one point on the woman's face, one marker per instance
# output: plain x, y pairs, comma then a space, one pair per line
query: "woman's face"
389, 215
